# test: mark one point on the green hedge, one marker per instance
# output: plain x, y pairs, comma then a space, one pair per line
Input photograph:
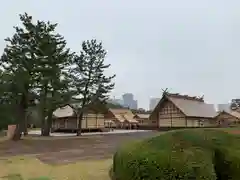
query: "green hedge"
188, 154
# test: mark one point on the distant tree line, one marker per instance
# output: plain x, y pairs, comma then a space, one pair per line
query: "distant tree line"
37, 69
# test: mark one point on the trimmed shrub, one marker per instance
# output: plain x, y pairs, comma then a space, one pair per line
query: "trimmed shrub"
197, 154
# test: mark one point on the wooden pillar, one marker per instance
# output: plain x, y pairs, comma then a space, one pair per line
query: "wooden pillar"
65, 123
97, 121
86, 120
171, 119
186, 121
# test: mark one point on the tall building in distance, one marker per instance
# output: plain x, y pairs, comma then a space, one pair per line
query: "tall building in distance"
135, 104
153, 103
128, 101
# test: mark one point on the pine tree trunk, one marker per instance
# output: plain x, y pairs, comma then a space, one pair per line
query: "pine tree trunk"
42, 128
47, 125
17, 133
43, 123
80, 117
20, 118
43, 97
46, 130
25, 128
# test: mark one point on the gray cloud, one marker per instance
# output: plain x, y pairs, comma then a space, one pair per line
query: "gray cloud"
189, 46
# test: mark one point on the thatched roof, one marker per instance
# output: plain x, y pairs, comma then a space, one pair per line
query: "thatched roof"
190, 106
70, 109
235, 114
66, 111
123, 115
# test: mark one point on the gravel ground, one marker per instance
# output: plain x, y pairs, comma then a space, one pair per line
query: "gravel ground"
72, 149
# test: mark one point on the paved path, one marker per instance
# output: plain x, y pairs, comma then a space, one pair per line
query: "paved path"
118, 131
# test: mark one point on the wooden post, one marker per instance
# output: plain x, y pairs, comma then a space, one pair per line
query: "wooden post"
86, 120
11, 130
96, 119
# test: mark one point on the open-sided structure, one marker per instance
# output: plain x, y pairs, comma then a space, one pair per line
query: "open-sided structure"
120, 118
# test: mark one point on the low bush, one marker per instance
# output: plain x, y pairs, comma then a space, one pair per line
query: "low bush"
188, 155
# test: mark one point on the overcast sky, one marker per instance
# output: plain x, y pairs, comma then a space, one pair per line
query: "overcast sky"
188, 46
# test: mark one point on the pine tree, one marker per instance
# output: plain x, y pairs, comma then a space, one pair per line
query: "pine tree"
18, 62
53, 59
6, 115
36, 58
89, 80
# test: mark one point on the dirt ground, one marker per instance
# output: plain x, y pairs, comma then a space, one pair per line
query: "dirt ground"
68, 150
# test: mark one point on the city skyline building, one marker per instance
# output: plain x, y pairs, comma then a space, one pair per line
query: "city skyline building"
153, 103
129, 101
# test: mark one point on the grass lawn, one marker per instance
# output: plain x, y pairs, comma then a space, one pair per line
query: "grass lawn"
29, 167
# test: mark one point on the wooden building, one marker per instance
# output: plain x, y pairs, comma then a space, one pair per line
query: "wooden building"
181, 111
144, 122
228, 118
120, 118
142, 118
65, 118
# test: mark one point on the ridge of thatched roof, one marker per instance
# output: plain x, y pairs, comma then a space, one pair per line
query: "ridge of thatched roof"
186, 97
